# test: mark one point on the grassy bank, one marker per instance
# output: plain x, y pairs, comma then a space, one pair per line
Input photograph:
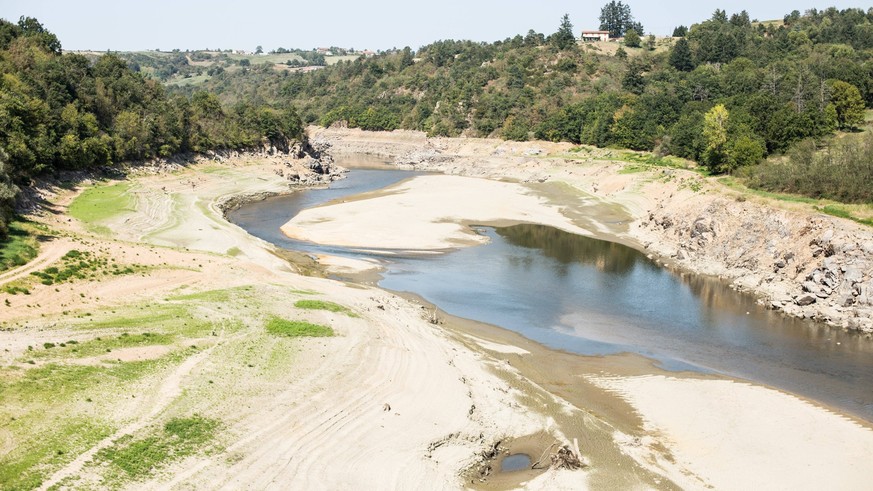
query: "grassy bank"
102, 202
20, 246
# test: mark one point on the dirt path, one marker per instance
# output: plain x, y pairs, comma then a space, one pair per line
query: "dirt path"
49, 252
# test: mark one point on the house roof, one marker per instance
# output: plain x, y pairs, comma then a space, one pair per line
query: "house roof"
595, 32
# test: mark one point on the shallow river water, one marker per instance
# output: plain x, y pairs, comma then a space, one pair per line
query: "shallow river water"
594, 297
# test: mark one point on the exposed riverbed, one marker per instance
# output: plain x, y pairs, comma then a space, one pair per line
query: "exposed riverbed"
593, 297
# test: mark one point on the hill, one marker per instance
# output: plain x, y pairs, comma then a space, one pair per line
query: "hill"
729, 94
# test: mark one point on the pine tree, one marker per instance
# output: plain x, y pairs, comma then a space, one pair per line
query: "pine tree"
680, 56
564, 38
616, 17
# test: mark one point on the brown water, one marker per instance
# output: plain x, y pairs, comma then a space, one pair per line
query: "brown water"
594, 297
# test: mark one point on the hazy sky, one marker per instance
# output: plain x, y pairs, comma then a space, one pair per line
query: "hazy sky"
376, 24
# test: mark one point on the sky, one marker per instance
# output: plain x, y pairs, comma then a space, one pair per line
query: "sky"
123, 25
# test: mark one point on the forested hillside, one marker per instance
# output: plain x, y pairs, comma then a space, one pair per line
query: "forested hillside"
726, 93
61, 111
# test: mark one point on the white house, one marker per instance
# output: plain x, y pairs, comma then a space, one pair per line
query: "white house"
591, 36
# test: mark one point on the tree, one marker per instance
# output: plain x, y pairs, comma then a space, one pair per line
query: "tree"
680, 56
741, 19
564, 38
633, 80
715, 133
31, 27
534, 38
632, 39
259, 50
848, 104
620, 53
8, 192
744, 150
680, 32
650, 42
406, 58
616, 18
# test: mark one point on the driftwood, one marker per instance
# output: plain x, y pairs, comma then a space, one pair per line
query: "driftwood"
566, 459
542, 456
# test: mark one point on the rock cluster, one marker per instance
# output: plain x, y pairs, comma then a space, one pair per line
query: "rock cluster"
809, 267
310, 164
421, 157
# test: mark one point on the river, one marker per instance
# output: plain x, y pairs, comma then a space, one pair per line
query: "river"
593, 297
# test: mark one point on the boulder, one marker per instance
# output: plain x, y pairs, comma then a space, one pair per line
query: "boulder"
700, 227
804, 300
853, 275
865, 295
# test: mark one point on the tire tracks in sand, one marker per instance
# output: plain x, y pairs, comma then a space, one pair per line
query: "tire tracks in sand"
331, 430
169, 390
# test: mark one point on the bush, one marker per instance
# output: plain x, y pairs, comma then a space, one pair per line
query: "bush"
842, 172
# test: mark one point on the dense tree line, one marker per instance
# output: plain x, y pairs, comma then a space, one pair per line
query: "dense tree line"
729, 93
61, 111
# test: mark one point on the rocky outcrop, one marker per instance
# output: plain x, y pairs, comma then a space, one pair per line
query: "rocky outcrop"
311, 164
807, 266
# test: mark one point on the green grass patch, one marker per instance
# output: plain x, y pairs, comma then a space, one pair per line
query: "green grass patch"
47, 412
283, 327
824, 206
162, 318
100, 203
633, 169
304, 292
217, 296
647, 159
102, 345
133, 458
74, 265
19, 247
323, 305
34, 457
736, 185
838, 211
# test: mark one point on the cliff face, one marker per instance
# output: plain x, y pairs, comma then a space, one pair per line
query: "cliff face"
791, 257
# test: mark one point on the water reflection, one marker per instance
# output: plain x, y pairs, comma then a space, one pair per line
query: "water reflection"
569, 248
594, 297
